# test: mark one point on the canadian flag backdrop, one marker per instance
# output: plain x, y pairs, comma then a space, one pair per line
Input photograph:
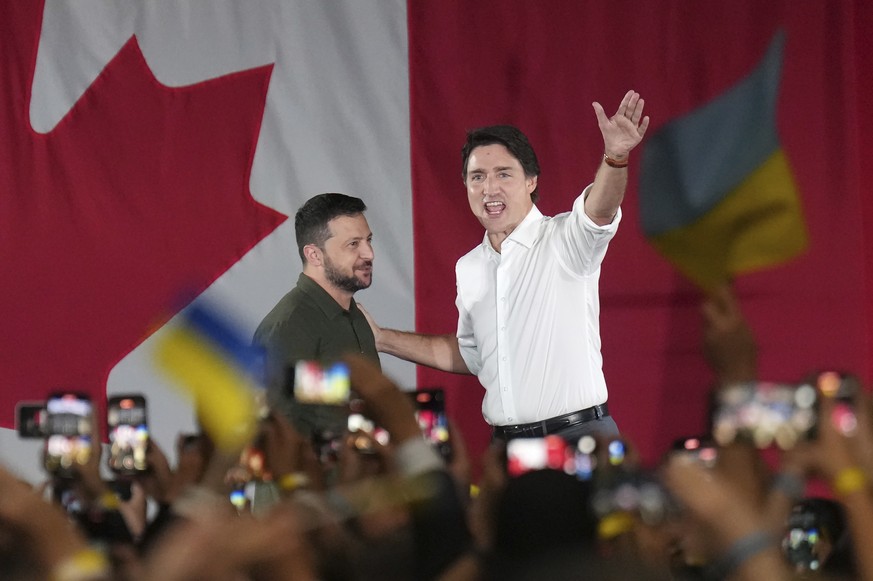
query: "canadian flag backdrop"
153, 152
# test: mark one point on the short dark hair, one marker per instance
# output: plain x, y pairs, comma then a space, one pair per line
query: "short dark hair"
512, 139
311, 221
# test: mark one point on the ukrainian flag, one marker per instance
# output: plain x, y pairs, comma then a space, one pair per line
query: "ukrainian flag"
717, 197
222, 373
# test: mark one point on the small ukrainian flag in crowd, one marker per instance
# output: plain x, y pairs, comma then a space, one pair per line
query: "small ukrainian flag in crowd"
717, 196
211, 360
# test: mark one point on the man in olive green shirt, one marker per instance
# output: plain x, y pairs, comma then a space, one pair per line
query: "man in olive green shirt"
319, 319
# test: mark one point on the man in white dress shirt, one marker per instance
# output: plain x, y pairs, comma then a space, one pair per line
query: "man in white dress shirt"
528, 299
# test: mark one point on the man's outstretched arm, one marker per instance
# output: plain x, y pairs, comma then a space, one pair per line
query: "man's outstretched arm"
438, 351
621, 133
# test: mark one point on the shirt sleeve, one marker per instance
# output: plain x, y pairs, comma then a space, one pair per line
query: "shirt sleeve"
581, 243
466, 339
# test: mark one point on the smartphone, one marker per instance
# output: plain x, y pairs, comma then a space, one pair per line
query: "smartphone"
526, 454
430, 412
555, 453
365, 431
765, 414
800, 542
634, 492
68, 433
837, 384
842, 389
128, 433
318, 384
30, 419
700, 449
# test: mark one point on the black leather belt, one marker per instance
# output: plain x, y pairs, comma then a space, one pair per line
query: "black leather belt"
551, 425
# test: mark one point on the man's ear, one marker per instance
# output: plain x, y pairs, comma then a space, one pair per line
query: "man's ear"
313, 255
531, 184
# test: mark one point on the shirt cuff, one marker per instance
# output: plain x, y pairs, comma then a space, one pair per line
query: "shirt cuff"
579, 206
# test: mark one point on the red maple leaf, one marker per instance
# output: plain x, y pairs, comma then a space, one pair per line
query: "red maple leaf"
140, 191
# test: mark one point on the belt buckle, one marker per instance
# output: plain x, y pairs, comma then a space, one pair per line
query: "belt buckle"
523, 431
512, 431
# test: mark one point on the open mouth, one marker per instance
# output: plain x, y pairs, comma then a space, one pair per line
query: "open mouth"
494, 208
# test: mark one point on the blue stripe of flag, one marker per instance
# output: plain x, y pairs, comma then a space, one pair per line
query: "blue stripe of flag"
224, 336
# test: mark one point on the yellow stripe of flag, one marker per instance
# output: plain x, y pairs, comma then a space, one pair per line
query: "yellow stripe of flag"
758, 224
222, 395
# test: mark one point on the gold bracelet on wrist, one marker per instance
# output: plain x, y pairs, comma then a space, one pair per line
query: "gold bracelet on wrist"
616, 163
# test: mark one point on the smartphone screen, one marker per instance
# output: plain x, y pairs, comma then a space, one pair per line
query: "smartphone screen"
430, 412
799, 546
765, 414
30, 419
317, 384
128, 433
555, 453
526, 454
68, 433
801, 540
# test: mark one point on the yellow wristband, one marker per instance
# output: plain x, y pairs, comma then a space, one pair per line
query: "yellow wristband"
849, 480
109, 501
612, 525
85, 565
293, 481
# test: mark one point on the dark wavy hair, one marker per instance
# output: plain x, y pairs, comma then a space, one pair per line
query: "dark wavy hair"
509, 137
311, 220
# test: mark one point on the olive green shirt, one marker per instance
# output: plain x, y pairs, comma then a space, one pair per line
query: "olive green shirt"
307, 323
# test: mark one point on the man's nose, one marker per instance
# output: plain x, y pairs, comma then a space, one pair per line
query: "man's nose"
490, 186
367, 252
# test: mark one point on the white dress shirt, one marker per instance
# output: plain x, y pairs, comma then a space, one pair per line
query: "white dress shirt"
529, 317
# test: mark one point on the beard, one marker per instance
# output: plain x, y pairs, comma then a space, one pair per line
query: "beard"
346, 282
